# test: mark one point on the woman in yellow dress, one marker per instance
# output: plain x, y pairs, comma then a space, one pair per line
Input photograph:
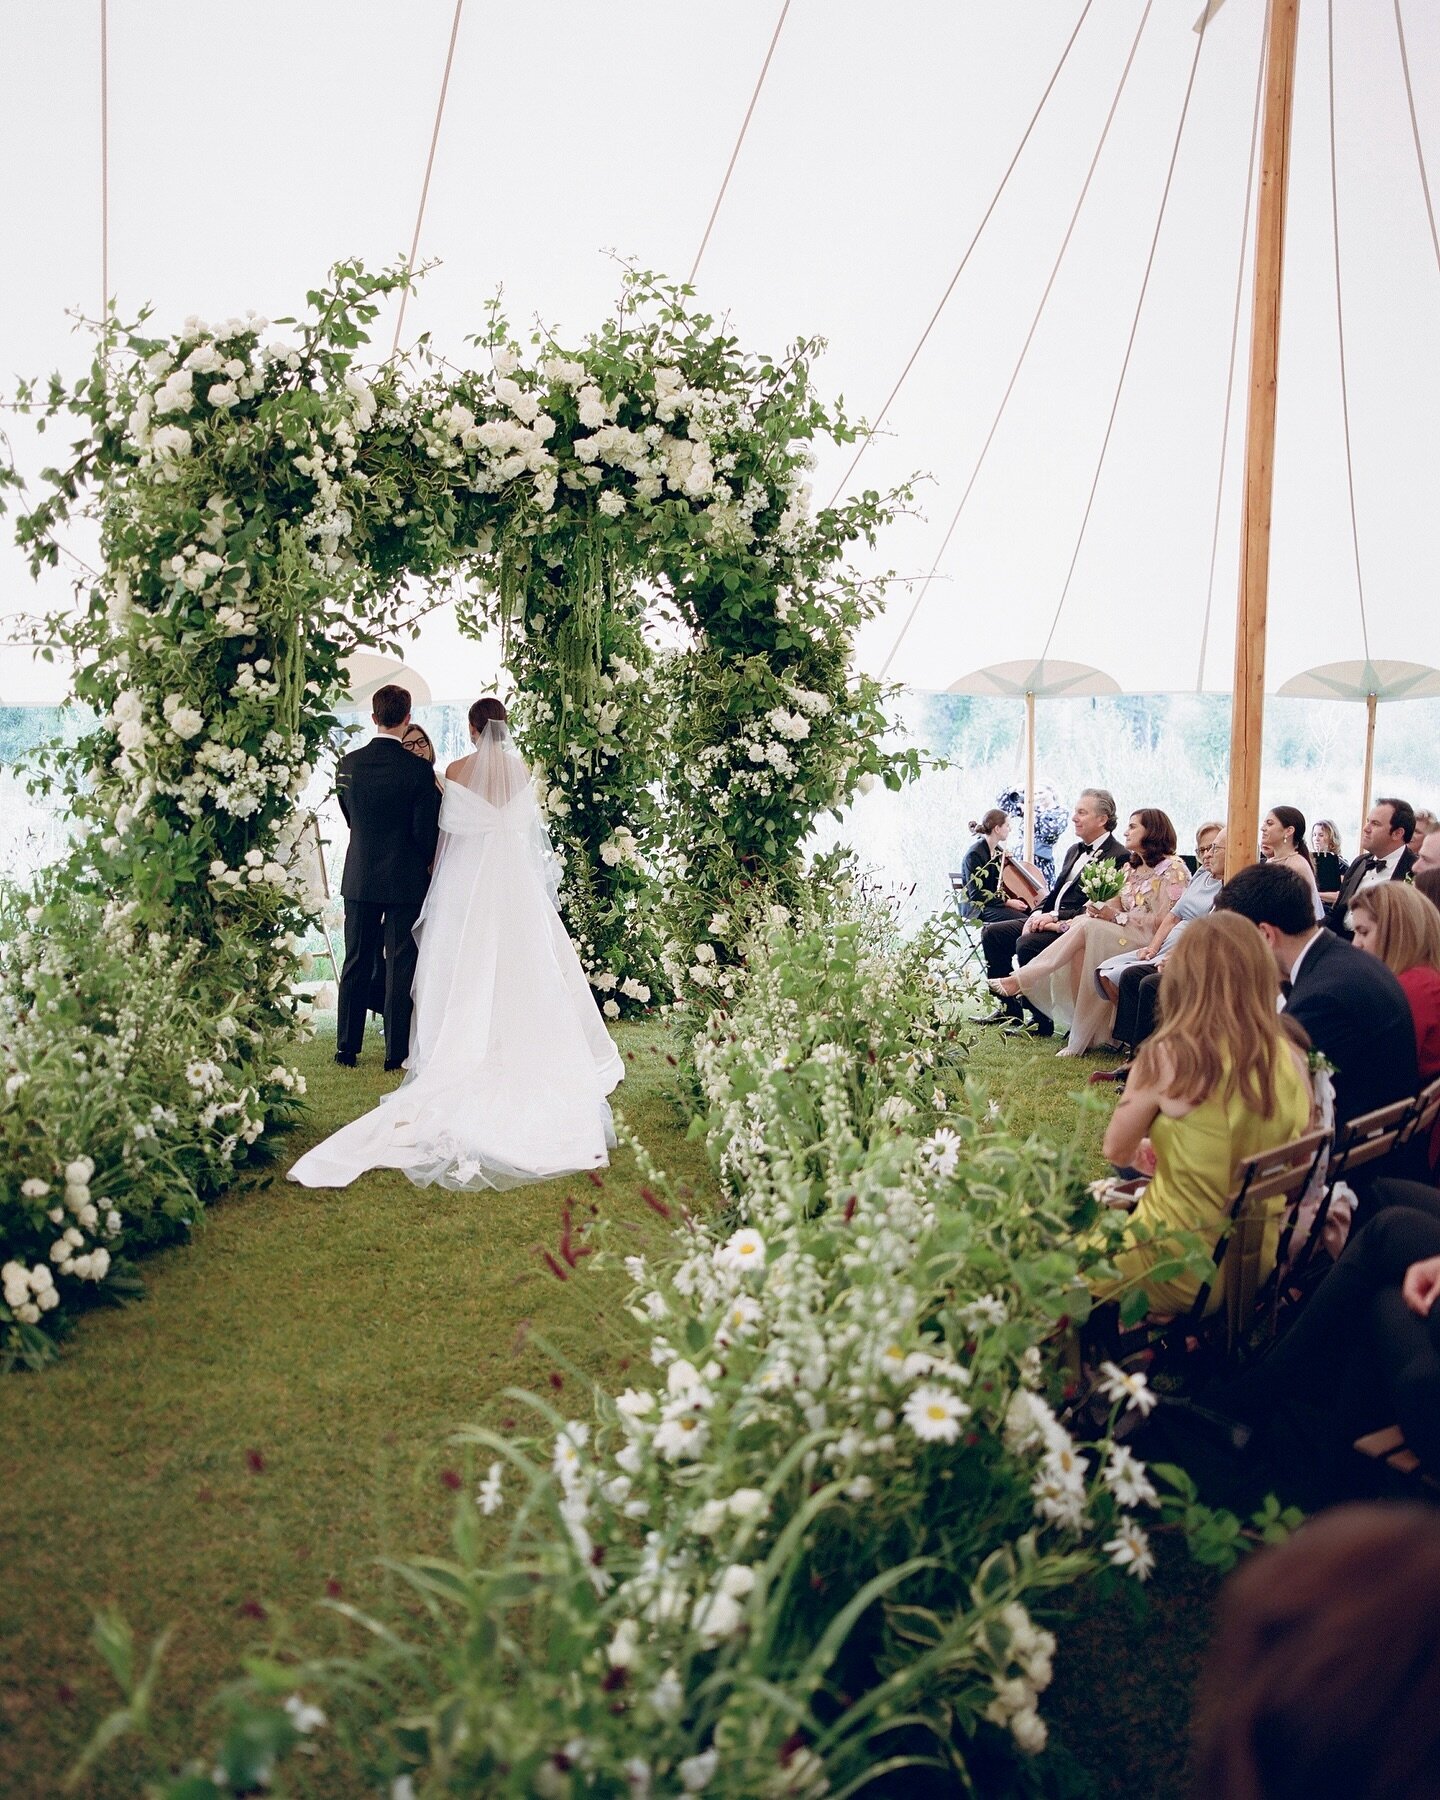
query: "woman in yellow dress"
1063, 981
1221, 1080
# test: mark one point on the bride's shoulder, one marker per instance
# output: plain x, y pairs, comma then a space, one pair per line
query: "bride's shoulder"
460, 768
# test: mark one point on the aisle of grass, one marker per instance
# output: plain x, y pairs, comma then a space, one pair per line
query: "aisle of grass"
272, 1418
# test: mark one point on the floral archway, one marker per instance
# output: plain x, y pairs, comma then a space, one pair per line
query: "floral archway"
263, 508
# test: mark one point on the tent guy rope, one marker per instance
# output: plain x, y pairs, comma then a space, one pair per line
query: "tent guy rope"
1024, 348
1134, 333
735, 153
429, 168
879, 418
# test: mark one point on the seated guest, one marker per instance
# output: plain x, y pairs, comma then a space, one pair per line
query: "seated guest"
1402, 928
981, 871
1011, 942
1137, 982
1386, 856
1323, 1679
1282, 842
1353, 1008
1219, 1081
1364, 1350
1060, 983
1329, 858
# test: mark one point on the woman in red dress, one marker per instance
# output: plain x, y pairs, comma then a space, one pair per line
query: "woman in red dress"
1402, 928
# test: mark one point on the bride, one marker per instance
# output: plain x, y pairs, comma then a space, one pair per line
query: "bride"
510, 1063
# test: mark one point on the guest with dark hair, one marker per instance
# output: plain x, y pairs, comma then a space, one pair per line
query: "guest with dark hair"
1323, 1679
1063, 981
1426, 879
1013, 942
1282, 840
1351, 1005
1385, 856
1429, 856
982, 871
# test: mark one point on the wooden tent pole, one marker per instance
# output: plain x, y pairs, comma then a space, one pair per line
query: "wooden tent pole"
1029, 777
1247, 717
1369, 758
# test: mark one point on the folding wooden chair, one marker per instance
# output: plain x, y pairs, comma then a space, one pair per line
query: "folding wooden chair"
1280, 1174
969, 918
1425, 1110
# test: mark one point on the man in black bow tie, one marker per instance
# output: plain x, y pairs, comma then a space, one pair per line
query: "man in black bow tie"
1385, 840
1011, 943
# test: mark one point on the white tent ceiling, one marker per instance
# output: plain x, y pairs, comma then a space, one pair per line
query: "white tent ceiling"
250, 148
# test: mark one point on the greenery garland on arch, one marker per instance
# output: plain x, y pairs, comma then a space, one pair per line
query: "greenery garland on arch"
262, 506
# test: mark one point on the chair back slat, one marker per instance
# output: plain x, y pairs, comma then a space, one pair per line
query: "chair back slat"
1285, 1174
1370, 1136
960, 893
1426, 1111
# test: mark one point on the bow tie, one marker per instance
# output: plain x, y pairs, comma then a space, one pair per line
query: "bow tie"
1375, 862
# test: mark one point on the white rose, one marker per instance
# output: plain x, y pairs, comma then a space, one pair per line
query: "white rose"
186, 722
170, 443
223, 394
34, 1188
611, 1009
80, 1172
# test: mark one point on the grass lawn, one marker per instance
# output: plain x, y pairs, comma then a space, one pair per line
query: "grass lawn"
272, 1419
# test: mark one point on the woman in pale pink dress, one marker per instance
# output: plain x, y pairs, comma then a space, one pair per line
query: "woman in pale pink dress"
1063, 981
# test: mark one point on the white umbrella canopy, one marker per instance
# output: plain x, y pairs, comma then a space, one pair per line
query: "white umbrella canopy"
1372, 682
852, 233
369, 672
1045, 680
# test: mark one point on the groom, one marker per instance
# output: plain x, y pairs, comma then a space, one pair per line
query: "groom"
392, 806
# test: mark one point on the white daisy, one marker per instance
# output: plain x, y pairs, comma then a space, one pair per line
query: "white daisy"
1129, 1549
1118, 1384
935, 1415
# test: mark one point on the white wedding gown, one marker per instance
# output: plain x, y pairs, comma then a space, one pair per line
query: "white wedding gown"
510, 1061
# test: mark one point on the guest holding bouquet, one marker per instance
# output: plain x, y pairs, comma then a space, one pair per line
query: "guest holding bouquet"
1123, 908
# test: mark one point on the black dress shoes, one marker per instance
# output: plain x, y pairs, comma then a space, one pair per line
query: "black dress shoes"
1002, 1017
391, 1067
345, 1058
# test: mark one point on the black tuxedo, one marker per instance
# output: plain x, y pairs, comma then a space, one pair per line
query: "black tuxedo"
392, 805
1357, 1015
1007, 943
1350, 886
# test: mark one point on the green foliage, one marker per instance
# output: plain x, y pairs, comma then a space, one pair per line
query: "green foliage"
811, 1545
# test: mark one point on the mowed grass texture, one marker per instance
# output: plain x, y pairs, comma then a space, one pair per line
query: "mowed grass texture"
273, 1419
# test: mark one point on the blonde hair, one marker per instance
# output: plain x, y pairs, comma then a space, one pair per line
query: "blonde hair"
1220, 1031
1407, 925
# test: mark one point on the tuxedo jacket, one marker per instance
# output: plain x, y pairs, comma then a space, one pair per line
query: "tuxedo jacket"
1349, 887
1357, 1015
392, 805
1109, 847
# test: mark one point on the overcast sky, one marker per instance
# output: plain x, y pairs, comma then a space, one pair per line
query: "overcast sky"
252, 144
